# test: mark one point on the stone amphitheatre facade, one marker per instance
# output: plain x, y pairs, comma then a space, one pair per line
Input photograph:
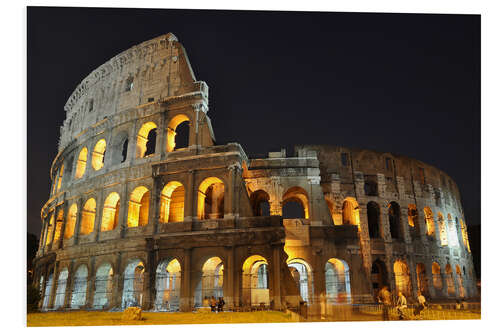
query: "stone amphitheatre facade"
136, 217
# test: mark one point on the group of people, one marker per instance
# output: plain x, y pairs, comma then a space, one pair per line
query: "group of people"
216, 305
385, 297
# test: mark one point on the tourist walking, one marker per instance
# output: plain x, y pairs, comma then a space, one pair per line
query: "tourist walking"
385, 298
220, 304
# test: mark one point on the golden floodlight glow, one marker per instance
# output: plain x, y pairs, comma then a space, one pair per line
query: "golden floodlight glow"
48, 237
61, 172
142, 138
172, 126
429, 221
214, 197
88, 217
98, 154
81, 164
350, 212
138, 208
297, 194
465, 237
110, 212
71, 221
59, 223
172, 202
412, 215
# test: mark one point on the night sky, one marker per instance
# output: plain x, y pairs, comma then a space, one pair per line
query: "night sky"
402, 83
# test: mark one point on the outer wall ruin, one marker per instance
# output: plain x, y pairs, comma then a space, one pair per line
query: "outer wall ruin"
137, 216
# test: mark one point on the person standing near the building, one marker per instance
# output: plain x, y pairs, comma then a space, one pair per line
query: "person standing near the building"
401, 304
213, 304
421, 304
220, 304
385, 298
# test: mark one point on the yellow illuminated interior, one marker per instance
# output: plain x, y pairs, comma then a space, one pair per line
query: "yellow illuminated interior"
98, 154
110, 212
465, 237
429, 221
138, 208
172, 203
436, 276
211, 193
71, 221
59, 223
350, 212
61, 172
142, 138
48, 238
88, 217
412, 215
81, 164
172, 126
443, 235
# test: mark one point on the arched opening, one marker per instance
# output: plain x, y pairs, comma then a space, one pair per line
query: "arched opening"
260, 203
211, 199
124, 150
443, 235
331, 208
48, 236
172, 203
350, 212
412, 215
133, 284
168, 285
178, 133
394, 214
337, 281
461, 289
48, 290
450, 284
295, 204
103, 286
373, 214
302, 274
402, 277
211, 281
465, 237
61, 173
69, 230
452, 232
422, 283
59, 224
255, 281
81, 164
61, 288
88, 217
146, 140
79, 292
138, 207
98, 154
110, 212
437, 280
429, 221
378, 275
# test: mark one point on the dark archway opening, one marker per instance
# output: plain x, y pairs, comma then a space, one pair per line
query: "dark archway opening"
182, 135
293, 209
151, 144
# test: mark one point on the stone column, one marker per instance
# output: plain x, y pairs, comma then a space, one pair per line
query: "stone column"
190, 198
276, 296
91, 284
69, 287
99, 210
228, 278
65, 208
185, 301
76, 232
55, 279
430, 279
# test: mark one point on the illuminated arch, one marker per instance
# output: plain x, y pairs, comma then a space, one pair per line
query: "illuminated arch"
48, 290
110, 212
88, 217
350, 212
452, 232
422, 283
211, 198
133, 284
255, 284
412, 215
211, 281
79, 292
402, 277
103, 286
61, 288
337, 281
69, 230
450, 283
465, 237
443, 235
146, 144
59, 223
379, 274
172, 202
48, 236
168, 285
461, 289
81, 164
260, 203
302, 274
61, 173
299, 195
429, 221
171, 133
98, 154
437, 280
138, 207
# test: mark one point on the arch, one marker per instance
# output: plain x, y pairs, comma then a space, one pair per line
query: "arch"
81, 164
450, 284
58, 225
437, 280
412, 215
79, 292
379, 275
133, 284
88, 217
337, 281
299, 195
443, 235
138, 207
172, 202
394, 214
61, 173
69, 230
103, 286
422, 283
260, 203
303, 276
429, 221
171, 132
402, 277
350, 212
331, 208
61, 288
48, 290
98, 154
452, 232
146, 140
461, 289
465, 237
48, 236
255, 282
211, 198
110, 212
210, 281
373, 214
168, 285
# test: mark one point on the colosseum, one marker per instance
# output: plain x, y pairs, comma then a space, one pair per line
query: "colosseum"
145, 209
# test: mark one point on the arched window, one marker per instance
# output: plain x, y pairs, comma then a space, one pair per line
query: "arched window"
429, 221
260, 203
129, 83
402, 277
395, 220
178, 133
373, 213
422, 279
379, 275
48, 290
210, 282
437, 280
81, 164
133, 284
412, 215
103, 286
350, 212
59, 223
255, 285
211, 199
79, 292
48, 236
302, 274
295, 203
172, 203
449, 280
146, 140
138, 208
98, 154
124, 150
59, 181
61, 288
461, 289
452, 232
168, 285
88, 217
443, 235
337, 281
71, 221
110, 212
465, 237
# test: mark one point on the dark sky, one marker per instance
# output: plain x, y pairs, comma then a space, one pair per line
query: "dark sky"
403, 83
